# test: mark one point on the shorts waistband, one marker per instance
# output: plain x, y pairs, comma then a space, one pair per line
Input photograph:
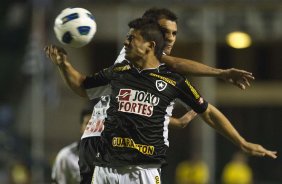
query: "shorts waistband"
136, 167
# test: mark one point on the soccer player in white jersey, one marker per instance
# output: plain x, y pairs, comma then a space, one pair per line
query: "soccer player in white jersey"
168, 21
65, 169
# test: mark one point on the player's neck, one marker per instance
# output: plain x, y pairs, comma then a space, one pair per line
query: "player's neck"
146, 62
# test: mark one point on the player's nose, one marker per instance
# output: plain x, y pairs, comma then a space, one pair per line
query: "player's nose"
126, 42
169, 37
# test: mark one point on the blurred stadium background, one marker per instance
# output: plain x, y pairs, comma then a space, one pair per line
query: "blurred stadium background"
39, 114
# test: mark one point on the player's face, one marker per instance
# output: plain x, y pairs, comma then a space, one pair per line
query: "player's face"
135, 46
170, 28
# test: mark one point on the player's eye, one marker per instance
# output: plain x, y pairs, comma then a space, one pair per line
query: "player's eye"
130, 37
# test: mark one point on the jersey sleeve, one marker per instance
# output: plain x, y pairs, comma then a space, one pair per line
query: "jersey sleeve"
191, 97
97, 85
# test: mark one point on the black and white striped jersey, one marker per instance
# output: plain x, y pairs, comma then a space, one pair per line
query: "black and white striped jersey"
141, 102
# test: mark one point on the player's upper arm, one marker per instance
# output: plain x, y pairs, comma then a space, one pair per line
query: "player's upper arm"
191, 97
97, 85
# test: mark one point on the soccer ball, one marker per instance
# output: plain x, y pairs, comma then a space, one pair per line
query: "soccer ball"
75, 27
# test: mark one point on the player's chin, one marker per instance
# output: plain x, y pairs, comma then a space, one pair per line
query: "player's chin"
127, 56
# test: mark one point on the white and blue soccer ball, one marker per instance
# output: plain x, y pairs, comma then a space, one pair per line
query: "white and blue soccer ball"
75, 27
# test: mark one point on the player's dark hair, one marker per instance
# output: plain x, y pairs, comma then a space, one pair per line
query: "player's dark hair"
150, 30
83, 113
160, 13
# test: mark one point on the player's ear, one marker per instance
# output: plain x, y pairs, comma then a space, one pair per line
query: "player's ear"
151, 45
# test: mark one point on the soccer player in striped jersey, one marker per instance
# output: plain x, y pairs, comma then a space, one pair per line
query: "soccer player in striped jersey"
168, 21
143, 91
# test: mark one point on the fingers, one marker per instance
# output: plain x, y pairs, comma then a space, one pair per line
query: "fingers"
240, 85
47, 51
56, 54
246, 81
61, 50
266, 153
248, 77
243, 73
243, 83
258, 150
54, 49
239, 78
271, 154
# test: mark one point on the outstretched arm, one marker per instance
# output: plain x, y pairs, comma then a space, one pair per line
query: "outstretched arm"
71, 76
183, 121
213, 117
239, 78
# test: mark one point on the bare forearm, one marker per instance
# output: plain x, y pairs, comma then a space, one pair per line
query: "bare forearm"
218, 121
184, 120
186, 66
222, 125
174, 122
73, 78
237, 77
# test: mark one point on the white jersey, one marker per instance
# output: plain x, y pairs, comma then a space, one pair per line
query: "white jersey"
65, 169
95, 125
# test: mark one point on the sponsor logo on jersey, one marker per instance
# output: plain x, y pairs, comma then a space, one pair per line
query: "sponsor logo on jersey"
194, 91
167, 80
96, 126
137, 102
129, 143
160, 85
121, 68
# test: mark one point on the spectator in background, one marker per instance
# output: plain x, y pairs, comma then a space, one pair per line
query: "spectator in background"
237, 171
19, 173
66, 169
192, 171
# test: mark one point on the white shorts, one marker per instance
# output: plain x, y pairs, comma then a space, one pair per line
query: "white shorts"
143, 174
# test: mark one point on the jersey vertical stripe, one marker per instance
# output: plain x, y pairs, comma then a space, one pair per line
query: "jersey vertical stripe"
166, 122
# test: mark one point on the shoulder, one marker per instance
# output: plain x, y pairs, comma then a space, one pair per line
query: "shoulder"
166, 71
121, 67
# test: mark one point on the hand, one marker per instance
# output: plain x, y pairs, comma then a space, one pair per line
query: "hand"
57, 54
258, 150
239, 78
186, 118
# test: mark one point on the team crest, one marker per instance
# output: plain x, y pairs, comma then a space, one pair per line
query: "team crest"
161, 85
